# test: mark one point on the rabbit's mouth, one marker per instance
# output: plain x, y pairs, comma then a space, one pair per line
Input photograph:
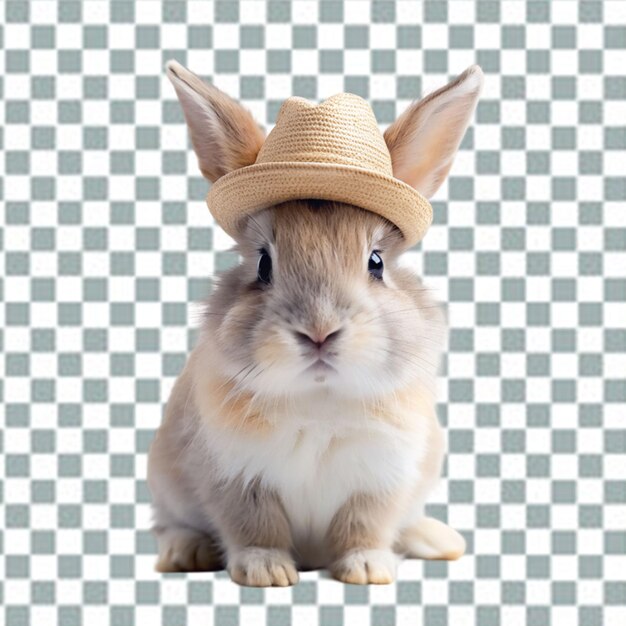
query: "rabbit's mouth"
320, 369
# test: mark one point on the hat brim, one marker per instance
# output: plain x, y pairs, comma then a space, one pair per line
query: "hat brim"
255, 187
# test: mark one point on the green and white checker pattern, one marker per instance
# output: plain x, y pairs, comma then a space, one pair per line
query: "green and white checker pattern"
106, 247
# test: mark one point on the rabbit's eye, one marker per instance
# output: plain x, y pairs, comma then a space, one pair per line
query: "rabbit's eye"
264, 267
375, 265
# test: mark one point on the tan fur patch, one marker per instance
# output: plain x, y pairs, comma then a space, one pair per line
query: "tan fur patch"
219, 401
404, 408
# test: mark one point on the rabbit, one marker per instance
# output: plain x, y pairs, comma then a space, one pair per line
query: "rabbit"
269, 462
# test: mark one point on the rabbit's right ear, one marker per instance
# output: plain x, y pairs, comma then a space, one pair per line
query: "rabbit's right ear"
224, 134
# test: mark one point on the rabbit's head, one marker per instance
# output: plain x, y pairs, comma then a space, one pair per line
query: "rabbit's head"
319, 300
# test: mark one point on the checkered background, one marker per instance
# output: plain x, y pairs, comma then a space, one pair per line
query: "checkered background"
106, 247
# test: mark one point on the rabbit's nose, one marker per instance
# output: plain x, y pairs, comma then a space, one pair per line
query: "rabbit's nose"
316, 338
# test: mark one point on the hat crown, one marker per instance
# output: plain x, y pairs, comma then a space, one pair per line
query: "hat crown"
341, 130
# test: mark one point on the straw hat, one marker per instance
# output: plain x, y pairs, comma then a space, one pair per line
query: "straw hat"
330, 151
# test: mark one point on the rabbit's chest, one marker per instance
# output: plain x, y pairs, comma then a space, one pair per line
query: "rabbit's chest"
315, 466
324, 471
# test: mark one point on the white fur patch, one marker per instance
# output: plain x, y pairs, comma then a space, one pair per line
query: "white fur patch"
317, 458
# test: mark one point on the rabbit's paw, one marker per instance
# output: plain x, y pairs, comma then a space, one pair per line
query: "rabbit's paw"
431, 539
262, 567
185, 550
365, 567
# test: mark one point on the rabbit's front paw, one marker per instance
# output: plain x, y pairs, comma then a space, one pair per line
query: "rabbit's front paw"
365, 567
263, 567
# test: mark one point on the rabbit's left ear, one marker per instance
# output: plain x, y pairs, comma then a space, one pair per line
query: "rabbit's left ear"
425, 138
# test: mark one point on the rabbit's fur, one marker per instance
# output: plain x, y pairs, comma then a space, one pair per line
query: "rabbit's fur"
266, 464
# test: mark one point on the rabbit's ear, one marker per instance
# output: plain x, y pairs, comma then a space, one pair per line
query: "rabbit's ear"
425, 138
224, 134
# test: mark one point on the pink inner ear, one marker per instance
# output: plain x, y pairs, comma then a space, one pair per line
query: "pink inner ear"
424, 140
424, 157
